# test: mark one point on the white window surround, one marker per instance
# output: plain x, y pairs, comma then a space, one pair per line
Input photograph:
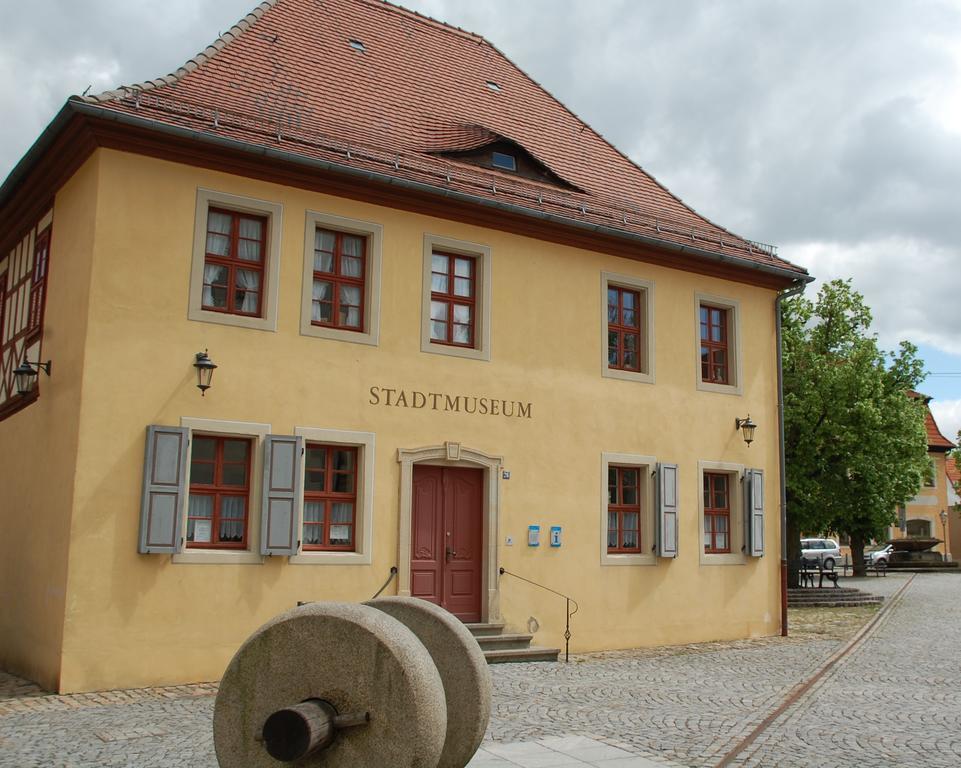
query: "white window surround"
482, 306
737, 555
646, 290
364, 525
251, 555
733, 308
274, 213
370, 334
647, 465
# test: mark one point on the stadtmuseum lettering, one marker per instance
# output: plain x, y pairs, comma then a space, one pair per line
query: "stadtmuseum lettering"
441, 401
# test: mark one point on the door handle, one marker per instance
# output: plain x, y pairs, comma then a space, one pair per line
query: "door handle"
450, 553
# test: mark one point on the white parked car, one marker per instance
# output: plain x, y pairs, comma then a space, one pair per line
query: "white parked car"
825, 550
879, 556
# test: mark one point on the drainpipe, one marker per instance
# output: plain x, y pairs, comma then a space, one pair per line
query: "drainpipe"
798, 288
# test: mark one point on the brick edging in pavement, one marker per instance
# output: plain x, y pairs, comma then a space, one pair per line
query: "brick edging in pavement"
804, 686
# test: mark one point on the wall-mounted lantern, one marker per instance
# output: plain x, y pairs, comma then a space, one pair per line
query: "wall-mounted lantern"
205, 371
747, 427
25, 375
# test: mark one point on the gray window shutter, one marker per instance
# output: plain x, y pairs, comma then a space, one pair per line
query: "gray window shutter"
282, 491
164, 490
666, 494
754, 512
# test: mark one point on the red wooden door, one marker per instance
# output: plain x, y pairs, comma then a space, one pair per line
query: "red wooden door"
446, 538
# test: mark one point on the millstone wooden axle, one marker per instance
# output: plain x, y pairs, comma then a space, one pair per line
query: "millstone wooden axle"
305, 729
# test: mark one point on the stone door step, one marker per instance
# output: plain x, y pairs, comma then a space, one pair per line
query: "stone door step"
499, 646
533, 653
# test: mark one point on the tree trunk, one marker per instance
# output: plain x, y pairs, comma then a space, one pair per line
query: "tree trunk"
857, 554
793, 552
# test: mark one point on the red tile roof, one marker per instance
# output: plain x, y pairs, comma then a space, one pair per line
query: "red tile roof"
935, 439
954, 474
287, 77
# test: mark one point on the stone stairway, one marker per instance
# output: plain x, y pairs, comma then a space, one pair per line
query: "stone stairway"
500, 647
830, 597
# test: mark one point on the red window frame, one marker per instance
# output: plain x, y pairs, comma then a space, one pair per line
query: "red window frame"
452, 300
717, 484
38, 285
328, 497
233, 262
217, 490
618, 331
715, 358
338, 279
616, 507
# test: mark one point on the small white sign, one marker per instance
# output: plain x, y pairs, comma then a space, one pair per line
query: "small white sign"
202, 530
506, 474
510, 541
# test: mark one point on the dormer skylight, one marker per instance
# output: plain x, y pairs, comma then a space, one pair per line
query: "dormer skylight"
493, 86
503, 161
357, 45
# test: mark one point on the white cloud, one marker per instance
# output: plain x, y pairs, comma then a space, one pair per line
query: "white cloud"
912, 287
947, 414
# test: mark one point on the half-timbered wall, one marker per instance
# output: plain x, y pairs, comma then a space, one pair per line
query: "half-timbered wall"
23, 273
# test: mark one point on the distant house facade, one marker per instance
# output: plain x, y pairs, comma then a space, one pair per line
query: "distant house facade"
920, 518
455, 331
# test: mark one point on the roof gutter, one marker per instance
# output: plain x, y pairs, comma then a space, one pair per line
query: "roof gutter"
74, 105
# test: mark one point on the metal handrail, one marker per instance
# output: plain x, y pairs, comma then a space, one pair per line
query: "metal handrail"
568, 598
393, 573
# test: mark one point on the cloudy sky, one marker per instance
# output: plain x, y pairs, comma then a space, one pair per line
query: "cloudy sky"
830, 128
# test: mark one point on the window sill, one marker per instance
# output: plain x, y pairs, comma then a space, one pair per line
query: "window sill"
721, 389
338, 334
733, 558
330, 558
636, 376
624, 559
216, 557
470, 353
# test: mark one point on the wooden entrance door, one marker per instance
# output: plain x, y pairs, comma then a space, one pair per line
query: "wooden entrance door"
447, 538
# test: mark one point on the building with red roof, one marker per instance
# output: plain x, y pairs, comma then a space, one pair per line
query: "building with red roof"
922, 517
438, 327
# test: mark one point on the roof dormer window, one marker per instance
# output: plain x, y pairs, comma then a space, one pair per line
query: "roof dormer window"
357, 45
503, 161
493, 86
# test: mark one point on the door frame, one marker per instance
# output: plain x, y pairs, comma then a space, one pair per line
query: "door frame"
452, 454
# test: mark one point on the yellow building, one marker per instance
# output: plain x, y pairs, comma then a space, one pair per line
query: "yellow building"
922, 518
455, 331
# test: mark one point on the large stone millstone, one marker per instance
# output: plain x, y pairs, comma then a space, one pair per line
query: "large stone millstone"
463, 671
355, 658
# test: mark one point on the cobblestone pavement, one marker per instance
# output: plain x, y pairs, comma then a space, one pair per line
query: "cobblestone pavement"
895, 700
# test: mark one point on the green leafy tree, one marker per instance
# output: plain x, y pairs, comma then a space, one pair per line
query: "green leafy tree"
855, 441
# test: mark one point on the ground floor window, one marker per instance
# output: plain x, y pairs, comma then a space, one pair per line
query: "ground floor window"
623, 509
919, 529
219, 499
717, 513
330, 497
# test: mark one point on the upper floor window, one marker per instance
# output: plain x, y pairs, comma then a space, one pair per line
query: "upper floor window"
623, 328
330, 497
453, 299
719, 344
627, 325
503, 161
236, 262
623, 509
717, 512
715, 365
219, 496
338, 280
